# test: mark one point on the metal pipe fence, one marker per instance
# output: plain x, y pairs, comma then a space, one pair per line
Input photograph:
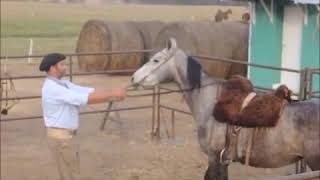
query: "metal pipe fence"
86, 112
71, 74
80, 54
312, 72
305, 87
305, 74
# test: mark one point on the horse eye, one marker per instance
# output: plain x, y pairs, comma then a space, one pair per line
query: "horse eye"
156, 60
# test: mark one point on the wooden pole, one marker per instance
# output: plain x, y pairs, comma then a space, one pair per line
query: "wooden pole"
30, 50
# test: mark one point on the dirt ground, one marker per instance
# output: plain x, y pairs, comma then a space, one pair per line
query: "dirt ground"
124, 151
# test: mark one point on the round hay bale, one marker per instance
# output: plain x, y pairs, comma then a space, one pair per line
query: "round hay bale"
224, 40
94, 37
99, 36
124, 37
149, 31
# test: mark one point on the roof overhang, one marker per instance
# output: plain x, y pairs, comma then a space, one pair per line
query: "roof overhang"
315, 2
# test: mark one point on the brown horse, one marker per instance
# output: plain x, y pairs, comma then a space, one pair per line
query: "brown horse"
220, 15
245, 17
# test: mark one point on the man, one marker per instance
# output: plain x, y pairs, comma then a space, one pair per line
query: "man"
60, 102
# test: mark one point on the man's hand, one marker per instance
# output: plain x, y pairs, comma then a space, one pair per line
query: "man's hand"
119, 93
100, 96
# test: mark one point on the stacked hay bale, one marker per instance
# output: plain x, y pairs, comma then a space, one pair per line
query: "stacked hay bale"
149, 31
224, 40
100, 36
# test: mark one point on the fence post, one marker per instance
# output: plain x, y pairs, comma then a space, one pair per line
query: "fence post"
302, 95
308, 83
153, 110
301, 166
307, 95
156, 134
30, 51
173, 134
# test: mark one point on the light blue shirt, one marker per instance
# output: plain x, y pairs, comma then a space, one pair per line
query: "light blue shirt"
60, 103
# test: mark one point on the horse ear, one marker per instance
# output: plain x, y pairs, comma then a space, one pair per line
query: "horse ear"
172, 45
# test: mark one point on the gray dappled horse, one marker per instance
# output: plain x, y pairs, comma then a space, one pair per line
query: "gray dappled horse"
296, 135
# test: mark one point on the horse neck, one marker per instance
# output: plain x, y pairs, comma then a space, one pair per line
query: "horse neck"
192, 97
201, 103
179, 76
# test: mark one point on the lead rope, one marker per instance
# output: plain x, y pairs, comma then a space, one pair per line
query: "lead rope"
130, 85
110, 104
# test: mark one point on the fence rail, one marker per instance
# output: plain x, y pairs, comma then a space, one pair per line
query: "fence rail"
245, 63
305, 85
311, 71
80, 54
7, 77
86, 112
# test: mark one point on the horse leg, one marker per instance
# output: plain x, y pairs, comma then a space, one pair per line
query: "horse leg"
216, 171
303, 166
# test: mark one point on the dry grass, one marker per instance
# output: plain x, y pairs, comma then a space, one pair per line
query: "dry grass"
62, 22
122, 152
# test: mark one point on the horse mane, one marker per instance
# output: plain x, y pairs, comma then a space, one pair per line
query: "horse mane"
194, 71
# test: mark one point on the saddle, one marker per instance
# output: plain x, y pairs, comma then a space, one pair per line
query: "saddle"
239, 105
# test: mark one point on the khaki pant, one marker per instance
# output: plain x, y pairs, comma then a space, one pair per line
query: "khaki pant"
65, 150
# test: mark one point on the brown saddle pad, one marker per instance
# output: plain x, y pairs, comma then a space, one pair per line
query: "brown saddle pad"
234, 91
262, 111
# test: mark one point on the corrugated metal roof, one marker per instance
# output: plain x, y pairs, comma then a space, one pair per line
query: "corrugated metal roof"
306, 1
315, 2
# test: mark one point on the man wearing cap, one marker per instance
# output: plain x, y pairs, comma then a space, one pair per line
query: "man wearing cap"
60, 103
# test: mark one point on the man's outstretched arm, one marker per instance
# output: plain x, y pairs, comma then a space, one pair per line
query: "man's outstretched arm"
100, 96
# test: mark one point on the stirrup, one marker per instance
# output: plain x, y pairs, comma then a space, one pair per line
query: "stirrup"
222, 160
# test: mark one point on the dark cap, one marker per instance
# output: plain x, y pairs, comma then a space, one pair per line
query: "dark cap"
50, 60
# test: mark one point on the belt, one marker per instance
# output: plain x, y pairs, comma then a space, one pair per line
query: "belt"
60, 133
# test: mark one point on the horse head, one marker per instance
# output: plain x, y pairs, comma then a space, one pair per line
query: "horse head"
158, 68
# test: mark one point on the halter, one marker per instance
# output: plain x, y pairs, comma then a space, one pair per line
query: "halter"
156, 68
